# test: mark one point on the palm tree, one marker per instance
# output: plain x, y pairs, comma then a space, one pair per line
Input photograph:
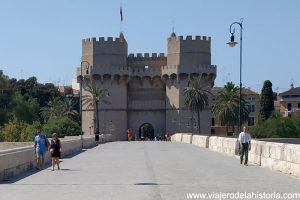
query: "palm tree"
226, 107
92, 100
57, 108
196, 96
68, 106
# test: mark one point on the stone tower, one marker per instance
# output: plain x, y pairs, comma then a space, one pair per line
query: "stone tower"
144, 88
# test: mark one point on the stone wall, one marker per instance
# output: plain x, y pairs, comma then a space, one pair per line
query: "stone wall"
276, 156
281, 157
201, 141
17, 160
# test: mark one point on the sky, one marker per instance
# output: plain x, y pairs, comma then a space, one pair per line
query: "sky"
42, 38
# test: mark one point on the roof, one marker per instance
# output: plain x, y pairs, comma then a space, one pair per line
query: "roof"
292, 91
216, 90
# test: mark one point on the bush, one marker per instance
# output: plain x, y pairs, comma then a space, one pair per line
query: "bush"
277, 127
62, 126
16, 131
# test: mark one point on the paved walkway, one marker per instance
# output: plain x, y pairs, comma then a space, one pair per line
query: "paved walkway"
145, 170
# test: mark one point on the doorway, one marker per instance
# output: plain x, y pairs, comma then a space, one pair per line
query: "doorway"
146, 132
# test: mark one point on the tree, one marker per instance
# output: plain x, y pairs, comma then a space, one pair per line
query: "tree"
6, 95
63, 126
12, 131
277, 126
227, 106
44, 93
57, 108
93, 99
24, 108
196, 96
266, 100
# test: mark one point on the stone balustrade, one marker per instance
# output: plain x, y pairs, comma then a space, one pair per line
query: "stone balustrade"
187, 138
176, 137
17, 160
281, 157
276, 156
200, 140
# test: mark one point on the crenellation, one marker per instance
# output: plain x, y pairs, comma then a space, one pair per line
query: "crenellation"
189, 37
137, 73
103, 40
147, 55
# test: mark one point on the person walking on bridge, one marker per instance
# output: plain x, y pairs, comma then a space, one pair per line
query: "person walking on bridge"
41, 145
245, 145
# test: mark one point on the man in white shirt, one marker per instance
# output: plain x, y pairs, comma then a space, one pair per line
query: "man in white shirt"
245, 145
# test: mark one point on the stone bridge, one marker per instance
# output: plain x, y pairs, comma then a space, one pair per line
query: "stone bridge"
153, 170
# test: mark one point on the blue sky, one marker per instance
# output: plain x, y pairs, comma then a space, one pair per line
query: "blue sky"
42, 38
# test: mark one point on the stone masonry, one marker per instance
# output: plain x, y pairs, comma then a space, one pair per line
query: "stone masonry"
145, 88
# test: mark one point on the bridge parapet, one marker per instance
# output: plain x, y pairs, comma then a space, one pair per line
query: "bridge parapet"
281, 157
17, 160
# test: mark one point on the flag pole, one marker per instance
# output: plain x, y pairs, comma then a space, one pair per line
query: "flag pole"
121, 18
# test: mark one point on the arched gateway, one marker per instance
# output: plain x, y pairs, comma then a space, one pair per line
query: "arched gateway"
143, 87
146, 132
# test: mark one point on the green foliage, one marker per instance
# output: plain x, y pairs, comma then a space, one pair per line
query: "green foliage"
42, 92
277, 126
17, 131
5, 97
13, 92
227, 106
266, 100
24, 108
92, 100
1, 135
62, 126
57, 108
196, 96
95, 95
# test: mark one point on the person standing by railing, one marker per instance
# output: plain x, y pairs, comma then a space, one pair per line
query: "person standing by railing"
245, 145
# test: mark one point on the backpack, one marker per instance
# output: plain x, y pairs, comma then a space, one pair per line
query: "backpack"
46, 142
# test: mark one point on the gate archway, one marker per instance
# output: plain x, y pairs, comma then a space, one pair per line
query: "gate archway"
146, 132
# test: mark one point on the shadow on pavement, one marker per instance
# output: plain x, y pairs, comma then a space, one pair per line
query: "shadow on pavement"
32, 171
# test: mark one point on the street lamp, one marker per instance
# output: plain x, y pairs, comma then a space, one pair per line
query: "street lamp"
232, 43
80, 104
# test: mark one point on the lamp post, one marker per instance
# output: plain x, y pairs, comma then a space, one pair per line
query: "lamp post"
232, 43
80, 97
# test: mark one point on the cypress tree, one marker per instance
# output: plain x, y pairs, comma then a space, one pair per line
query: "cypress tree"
266, 100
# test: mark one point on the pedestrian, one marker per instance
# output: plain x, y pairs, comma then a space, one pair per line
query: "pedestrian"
167, 137
129, 134
97, 135
245, 145
102, 137
55, 150
41, 145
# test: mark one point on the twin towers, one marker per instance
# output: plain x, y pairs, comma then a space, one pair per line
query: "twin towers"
146, 90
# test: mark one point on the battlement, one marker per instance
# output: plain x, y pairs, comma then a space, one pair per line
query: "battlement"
190, 38
208, 67
178, 69
103, 40
147, 55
